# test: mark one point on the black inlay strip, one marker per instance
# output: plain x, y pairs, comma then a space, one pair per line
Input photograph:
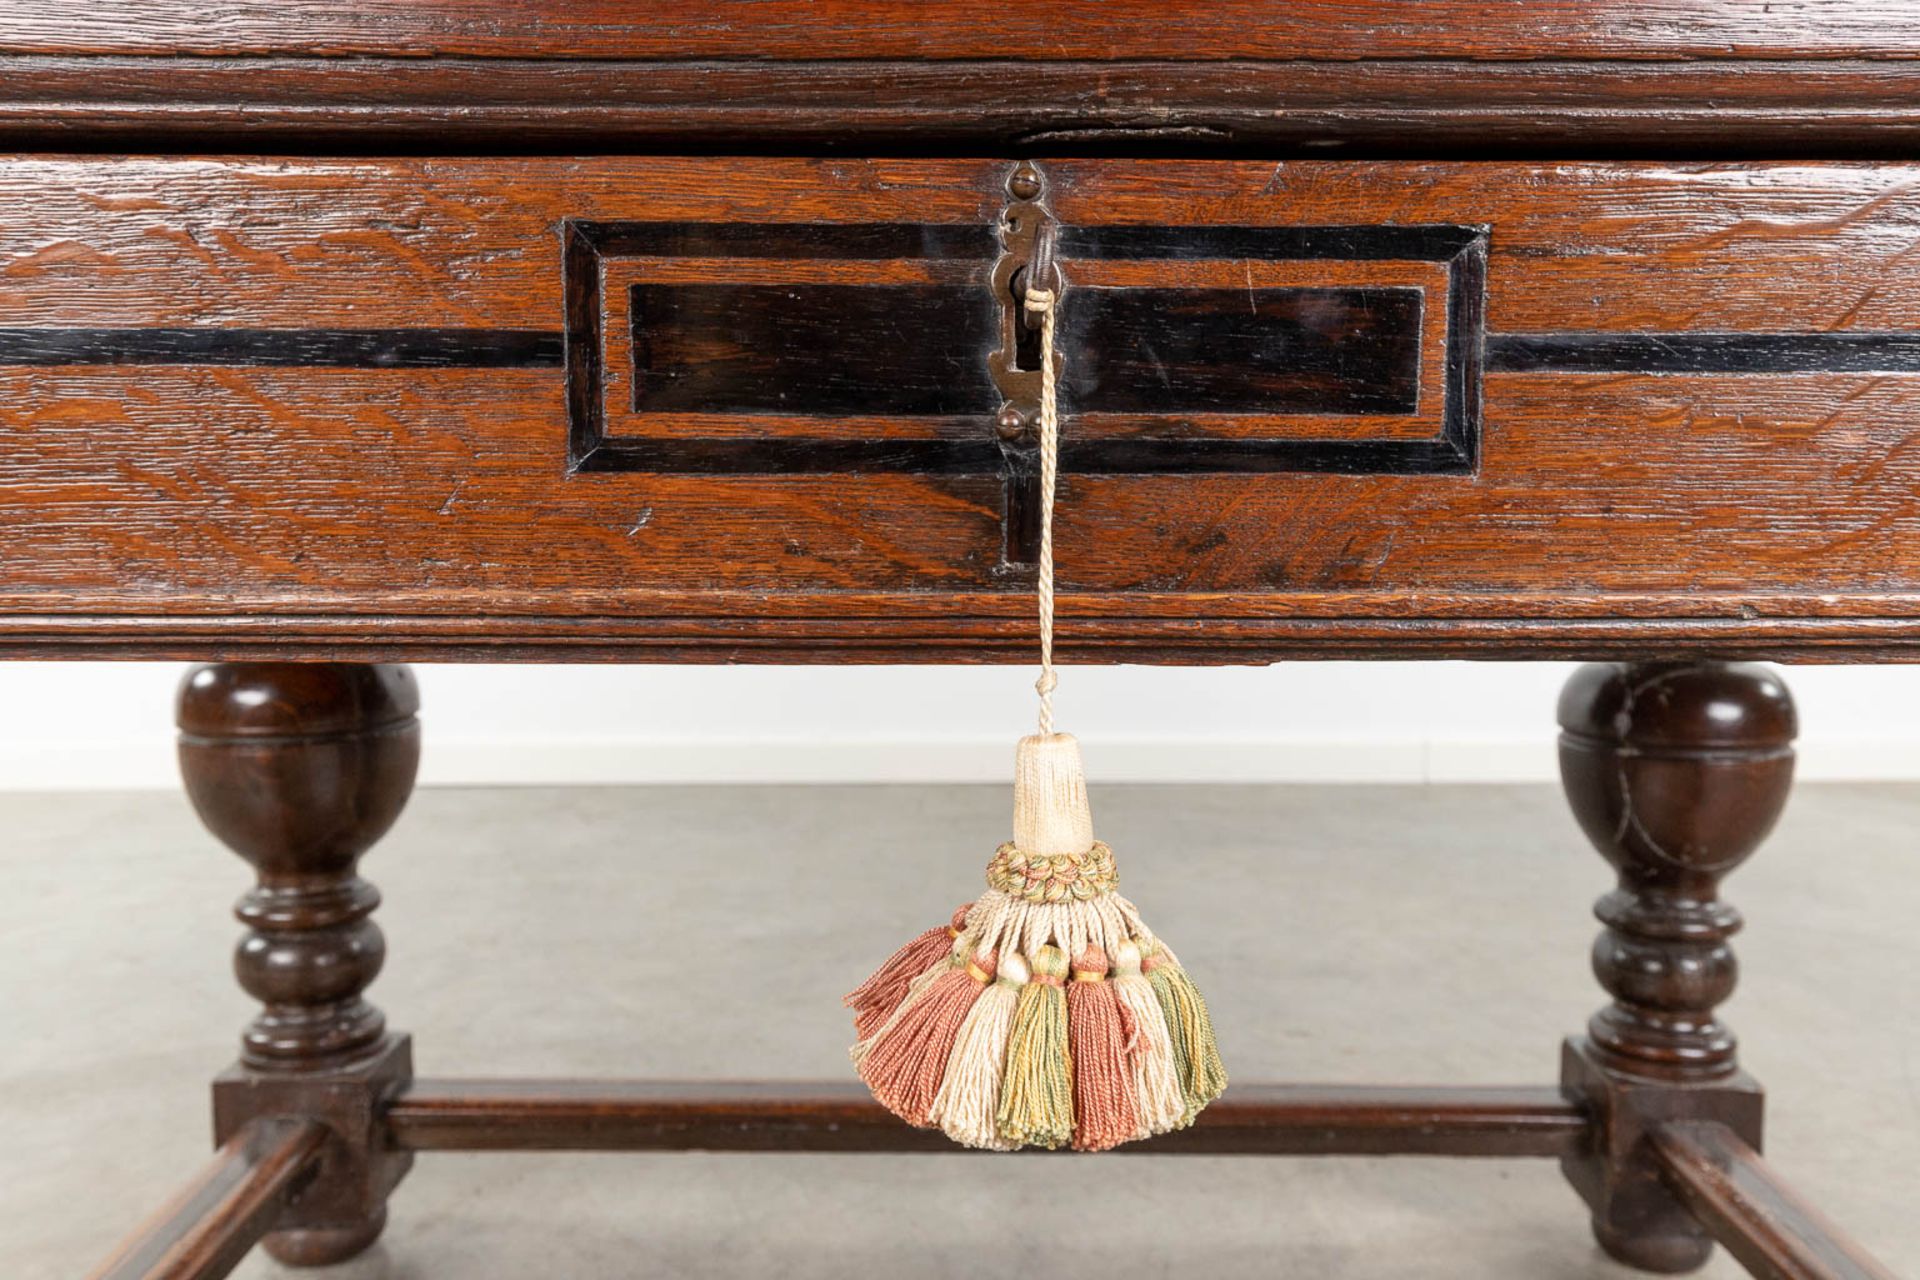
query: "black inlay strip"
1340, 457
790, 456
309, 348
976, 241
580, 267
1413, 243
533, 348
1466, 351
1703, 352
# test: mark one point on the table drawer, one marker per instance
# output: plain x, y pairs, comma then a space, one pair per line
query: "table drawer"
747, 407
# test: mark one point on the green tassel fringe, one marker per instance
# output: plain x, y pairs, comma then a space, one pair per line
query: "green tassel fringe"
1196, 1054
1036, 1094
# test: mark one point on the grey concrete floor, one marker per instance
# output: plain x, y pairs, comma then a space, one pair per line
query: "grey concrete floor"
1358, 934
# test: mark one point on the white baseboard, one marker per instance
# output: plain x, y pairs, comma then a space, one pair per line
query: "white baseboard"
778, 761
1156, 760
146, 764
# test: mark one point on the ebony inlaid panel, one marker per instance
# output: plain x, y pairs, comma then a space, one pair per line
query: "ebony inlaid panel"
701, 348
336, 406
819, 351
768, 348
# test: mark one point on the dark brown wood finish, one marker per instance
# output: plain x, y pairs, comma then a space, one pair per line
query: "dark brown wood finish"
1556, 106
1746, 1207
299, 769
787, 29
1676, 772
208, 1227
1255, 1119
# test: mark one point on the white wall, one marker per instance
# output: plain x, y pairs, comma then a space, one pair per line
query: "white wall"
109, 725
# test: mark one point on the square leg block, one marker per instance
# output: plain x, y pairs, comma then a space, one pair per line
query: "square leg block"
1636, 1216
358, 1169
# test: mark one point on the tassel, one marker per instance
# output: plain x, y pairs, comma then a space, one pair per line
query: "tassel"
874, 1000
1036, 1098
1100, 1033
970, 1091
904, 1065
1195, 1053
1156, 1088
1021, 1056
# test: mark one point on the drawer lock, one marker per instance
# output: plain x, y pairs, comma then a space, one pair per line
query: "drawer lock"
1029, 237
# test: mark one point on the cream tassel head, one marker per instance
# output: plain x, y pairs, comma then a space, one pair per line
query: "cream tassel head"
1050, 811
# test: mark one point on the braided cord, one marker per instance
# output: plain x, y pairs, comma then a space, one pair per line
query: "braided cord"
1040, 301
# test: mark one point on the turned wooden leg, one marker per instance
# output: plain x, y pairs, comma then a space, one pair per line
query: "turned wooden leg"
299, 768
1676, 772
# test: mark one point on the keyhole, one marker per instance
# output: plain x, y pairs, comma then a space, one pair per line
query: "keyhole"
1026, 337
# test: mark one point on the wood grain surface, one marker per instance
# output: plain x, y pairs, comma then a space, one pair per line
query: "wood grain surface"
990, 105
1646, 504
765, 1115
1763, 1222
973, 28
211, 1223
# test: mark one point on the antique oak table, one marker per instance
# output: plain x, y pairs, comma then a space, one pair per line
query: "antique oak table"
336, 333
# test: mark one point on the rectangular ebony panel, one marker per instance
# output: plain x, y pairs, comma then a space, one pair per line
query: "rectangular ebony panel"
1179, 351
819, 350
815, 350
880, 343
